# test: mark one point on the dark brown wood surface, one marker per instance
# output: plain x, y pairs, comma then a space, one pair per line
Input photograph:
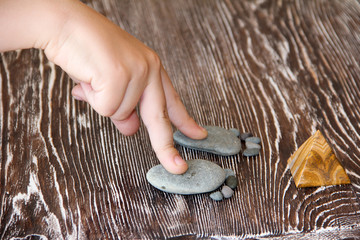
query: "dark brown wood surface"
280, 69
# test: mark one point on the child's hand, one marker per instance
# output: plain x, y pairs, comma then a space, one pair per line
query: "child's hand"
115, 72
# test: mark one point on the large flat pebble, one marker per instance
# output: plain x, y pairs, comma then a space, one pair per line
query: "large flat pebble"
201, 177
219, 141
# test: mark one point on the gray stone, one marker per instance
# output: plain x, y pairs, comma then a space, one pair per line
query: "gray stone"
253, 140
252, 145
235, 131
227, 192
219, 141
245, 135
217, 196
249, 152
201, 177
231, 182
229, 172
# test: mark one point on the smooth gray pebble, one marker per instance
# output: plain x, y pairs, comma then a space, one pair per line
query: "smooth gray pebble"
249, 152
235, 131
231, 182
245, 135
217, 196
252, 145
201, 177
253, 140
229, 172
227, 192
219, 141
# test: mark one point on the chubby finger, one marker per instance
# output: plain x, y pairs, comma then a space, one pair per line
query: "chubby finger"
125, 118
177, 111
105, 96
154, 114
128, 126
78, 93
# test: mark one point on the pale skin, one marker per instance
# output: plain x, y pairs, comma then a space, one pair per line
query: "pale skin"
113, 70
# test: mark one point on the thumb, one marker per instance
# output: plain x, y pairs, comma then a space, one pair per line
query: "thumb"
127, 126
78, 93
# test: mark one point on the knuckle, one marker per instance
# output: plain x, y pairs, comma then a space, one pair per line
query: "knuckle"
143, 68
154, 60
104, 102
107, 110
174, 106
121, 114
156, 119
164, 148
184, 122
163, 116
176, 97
176, 100
114, 72
120, 72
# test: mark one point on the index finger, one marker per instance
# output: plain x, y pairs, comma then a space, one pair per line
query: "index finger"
154, 114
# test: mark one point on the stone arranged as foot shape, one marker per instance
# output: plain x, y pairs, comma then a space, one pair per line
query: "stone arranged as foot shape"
219, 141
226, 191
314, 164
251, 152
256, 140
201, 177
252, 144
231, 182
217, 196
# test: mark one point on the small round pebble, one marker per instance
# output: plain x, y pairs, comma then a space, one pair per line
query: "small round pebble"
253, 140
231, 182
252, 145
249, 152
245, 135
229, 172
235, 131
227, 192
217, 196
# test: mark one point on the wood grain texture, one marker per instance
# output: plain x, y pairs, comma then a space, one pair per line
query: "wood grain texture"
280, 69
314, 164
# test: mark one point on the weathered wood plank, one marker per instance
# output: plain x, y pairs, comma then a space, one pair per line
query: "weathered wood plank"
280, 69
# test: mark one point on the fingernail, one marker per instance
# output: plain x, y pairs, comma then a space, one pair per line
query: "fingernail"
202, 129
179, 161
205, 132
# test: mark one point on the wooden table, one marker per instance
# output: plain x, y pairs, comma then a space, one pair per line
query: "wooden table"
280, 69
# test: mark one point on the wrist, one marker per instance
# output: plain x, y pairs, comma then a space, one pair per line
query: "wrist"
30, 23
54, 19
